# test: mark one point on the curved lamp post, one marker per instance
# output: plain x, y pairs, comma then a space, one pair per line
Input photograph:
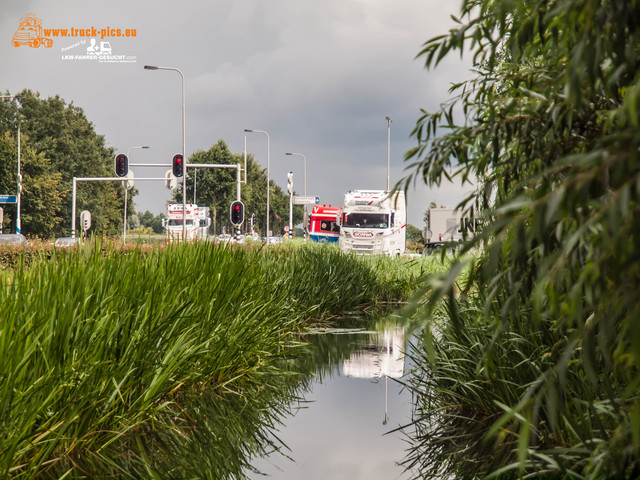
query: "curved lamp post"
388, 149
268, 174
184, 148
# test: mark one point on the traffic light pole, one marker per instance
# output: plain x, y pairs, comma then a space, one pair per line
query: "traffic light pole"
96, 179
291, 215
290, 189
238, 167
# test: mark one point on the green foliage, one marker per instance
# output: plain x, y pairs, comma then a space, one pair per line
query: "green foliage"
147, 219
540, 351
414, 234
57, 144
41, 193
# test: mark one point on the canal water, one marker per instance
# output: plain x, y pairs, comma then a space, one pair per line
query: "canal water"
341, 428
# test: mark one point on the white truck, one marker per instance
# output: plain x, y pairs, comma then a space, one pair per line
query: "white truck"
196, 222
373, 222
204, 222
447, 225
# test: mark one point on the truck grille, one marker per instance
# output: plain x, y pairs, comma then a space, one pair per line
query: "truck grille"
362, 248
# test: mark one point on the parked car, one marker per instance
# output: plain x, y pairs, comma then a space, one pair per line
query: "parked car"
65, 242
272, 240
13, 239
433, 248
224, 238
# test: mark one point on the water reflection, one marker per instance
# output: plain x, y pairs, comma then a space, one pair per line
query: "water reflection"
337, 433
214, 435
381, 355
313, 416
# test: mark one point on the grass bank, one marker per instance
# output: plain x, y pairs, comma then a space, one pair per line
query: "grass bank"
106, 351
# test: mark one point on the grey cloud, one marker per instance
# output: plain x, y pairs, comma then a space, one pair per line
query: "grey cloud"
319, 76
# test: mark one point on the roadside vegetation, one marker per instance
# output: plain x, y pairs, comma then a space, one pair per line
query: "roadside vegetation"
162, 362
530, 365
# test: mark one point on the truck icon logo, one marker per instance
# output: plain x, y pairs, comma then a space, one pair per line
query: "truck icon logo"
30, 33
97, 50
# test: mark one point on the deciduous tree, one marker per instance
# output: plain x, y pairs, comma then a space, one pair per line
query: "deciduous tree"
216, 188
58, 143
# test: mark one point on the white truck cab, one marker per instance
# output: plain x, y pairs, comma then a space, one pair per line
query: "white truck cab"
373, 222
174, 223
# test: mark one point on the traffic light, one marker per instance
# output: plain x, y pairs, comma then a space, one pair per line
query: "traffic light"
237, 213
290, 183
178, 165
122, 165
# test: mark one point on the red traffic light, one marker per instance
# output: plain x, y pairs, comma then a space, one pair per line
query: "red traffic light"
176, 165
237, 213
121, 165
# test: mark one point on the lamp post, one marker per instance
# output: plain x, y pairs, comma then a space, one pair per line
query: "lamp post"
19, 177
388, 149
304, 224
19, 186
184, 148
268, 173
126, 191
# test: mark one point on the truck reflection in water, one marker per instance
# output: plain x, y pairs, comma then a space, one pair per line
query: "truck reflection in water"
382, 356
338, 431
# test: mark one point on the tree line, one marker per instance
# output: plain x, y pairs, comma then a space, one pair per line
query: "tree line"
58, 142
216, 188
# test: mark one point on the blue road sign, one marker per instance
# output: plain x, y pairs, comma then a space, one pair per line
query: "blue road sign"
8, 199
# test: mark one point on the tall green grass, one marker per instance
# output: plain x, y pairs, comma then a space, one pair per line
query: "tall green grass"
110, 359
502, 392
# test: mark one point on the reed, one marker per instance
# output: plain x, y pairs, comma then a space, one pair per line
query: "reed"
109, 354
484, 355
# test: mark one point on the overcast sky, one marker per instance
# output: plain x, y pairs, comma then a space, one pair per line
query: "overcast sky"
319, 76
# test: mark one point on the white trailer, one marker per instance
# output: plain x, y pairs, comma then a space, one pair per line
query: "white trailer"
174, 223
204, 222
373, 222
447, 225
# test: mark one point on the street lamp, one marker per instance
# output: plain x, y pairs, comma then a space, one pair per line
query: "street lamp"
388, 148
304, 226
126, 191
268, 173
184, 148
19, 184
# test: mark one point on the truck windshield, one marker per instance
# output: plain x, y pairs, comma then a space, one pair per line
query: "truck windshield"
366, 220
324, 226
178, 222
